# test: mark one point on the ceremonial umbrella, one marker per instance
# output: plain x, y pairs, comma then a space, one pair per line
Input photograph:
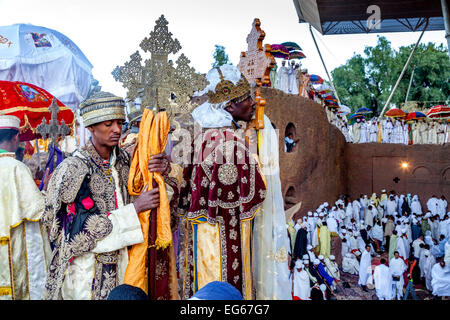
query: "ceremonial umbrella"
279, 51
440, 111
363, 111
45, 58
415, 115
324, 88
31, 105
296, 55
292, 46
344, 109
395, 113
355, 116
315, 79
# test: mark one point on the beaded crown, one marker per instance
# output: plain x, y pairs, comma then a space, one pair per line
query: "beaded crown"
226, 90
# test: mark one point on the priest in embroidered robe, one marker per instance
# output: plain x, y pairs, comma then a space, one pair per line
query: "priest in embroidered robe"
24, 247
88, 212
222, 188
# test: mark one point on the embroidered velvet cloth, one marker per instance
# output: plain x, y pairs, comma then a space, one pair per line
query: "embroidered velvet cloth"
223, 187
80, 195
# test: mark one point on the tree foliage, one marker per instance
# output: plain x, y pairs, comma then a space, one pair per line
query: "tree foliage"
367, 80
220, 57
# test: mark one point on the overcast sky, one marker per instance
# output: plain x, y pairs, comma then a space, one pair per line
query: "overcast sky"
109, 31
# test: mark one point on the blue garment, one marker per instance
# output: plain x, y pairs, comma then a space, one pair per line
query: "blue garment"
442, 247
321, 268
416, 231
410, 288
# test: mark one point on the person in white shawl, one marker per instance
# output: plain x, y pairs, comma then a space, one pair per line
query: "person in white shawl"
364, 136
440, 279
416, 207
356, 208
406, 133
432, 205
383, 281
373, 131
364, 264
350, 264
391, 206
402, 244
430, 261
442, 206
397, 266
332, 267
302, 288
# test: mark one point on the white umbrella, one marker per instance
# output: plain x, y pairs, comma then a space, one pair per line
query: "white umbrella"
344, 109
324, 87
46, 58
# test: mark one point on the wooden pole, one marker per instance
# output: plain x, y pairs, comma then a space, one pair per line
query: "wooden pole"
410, 83
403, 71
323, 63
446, 16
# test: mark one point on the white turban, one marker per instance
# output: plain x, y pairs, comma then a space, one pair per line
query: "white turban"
309, 247
305, 256
299, 264
310, 214
320, 257
316, 262
332, 257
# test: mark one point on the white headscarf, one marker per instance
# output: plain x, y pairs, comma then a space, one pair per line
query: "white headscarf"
210, 115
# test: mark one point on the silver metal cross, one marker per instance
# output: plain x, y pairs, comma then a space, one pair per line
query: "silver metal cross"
53, 129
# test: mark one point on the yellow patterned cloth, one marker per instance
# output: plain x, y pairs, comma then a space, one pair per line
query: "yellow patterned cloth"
22, 242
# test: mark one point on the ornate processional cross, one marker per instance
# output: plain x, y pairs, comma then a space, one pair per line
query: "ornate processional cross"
158, 82
53, 129
255, 65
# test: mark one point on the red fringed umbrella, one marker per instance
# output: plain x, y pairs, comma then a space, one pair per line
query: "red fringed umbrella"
415, 115
440, 111
30, 104
396, 113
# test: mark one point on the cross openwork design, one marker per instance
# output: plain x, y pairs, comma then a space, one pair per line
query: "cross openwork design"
53, 129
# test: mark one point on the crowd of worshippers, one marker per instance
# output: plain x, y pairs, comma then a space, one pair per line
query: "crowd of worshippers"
392, 242
391, 130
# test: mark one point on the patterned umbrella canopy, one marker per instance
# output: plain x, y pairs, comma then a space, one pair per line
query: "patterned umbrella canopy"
315, 79
30, 104
363, 110
279, 51
415, 115
291, 46
395, 113
440, 111
296, 55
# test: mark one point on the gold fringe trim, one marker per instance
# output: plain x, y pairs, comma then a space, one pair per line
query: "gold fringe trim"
5, 291
162, 244
4, 241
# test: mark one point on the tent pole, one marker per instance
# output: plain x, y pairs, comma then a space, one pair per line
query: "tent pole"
446, 16
403, 71
410, 83
323, 63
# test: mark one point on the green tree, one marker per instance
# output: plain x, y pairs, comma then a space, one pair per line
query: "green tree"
220, 57
367, 81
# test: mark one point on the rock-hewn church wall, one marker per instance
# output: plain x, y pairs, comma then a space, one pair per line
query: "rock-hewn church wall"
315, 171
323, 165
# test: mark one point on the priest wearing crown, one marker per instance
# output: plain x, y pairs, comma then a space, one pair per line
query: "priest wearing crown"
222, 188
